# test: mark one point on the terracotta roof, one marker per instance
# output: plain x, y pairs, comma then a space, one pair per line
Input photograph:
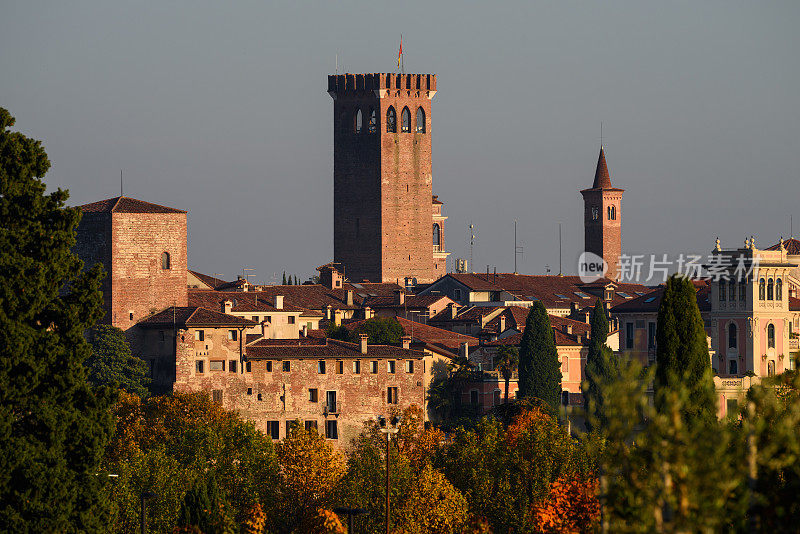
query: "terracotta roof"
791, 245
794, 304
210, 281
563, 339
126, 205
651, 301
329, 348
602, 178
411, 301
431, 335
465, 313
193, 316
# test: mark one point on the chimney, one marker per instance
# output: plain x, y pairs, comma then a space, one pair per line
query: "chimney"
364, 338
502, 323
337, 317
278, 302
463, 350
588, 318
580, 339
328, 312
368, 313
406, 342
304, 332
227, 305
567, 328
401, 297
265, 329
453, 310
349, 297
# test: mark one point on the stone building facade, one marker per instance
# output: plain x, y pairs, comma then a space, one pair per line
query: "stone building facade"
387, 225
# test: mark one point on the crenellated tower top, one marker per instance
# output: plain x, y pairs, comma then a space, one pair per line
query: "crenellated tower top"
381, 83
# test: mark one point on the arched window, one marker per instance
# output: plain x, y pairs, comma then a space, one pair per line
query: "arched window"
436, 236
778, 289
373, 120
770, 289
771, 368
732, 341
722, 291
405, 121
613, 213
595, 213
357, 121
420, 120
391, 120
743, 291
761, 292
732, 290
771, 336
165, 260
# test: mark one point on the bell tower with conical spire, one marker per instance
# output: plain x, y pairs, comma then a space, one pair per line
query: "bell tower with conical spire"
602, 217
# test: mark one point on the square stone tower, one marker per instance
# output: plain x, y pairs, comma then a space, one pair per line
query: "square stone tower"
387, 226
142, 247
602, 218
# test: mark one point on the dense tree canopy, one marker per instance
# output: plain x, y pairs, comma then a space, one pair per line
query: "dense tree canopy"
53, 426
112, 364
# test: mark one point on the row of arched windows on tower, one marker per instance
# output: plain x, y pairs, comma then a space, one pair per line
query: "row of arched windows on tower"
731, 292
391, 120
770, 290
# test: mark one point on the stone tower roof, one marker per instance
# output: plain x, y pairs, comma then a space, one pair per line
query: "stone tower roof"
602, 178
127, 205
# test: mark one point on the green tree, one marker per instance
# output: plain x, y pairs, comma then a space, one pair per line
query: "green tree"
341, 332
539, 368
682, 358
601, 364
507, 361
53, 426
381, 331
205, 507
112, 364
283, 282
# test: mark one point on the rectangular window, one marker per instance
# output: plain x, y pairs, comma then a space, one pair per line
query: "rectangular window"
639, 323
248, 366
391, 395
373, 367
287, 366
628, 335
233, 335
732, 407
410, 366
199, 335
232, 366
249, 391
268, 318
330, 401
216, 396
321, 367
198, 366
390, 366
216, 365
339, 367
273, 429
357, 367
651, 335
473, 397
331, 429
268, 365
292, 319
254, 318
312, 395
457, 294
310, 425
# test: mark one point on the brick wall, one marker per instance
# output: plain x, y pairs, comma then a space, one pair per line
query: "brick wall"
603, 236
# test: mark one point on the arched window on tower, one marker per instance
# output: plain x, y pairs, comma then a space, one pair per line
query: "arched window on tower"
778, 289
732, 341
595, 213
732, 290
761, 289
357, 121
373, 120
722, 291
405, 121
437, 236
391, 120
743, 290
165, 260
420, 120
770, 289
771, 336
771, 368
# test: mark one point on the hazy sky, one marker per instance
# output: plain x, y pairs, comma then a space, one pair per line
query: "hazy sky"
221, 109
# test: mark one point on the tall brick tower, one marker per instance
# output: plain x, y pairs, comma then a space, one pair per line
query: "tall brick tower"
387, 226
602, 218
142, 247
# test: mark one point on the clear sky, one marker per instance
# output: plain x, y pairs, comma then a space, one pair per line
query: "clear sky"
220, 108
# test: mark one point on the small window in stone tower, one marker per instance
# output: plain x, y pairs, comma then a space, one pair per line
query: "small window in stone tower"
595, 213
420, 120
391, 120
436, 237
165, 260
357, 121
405, 120
373, 120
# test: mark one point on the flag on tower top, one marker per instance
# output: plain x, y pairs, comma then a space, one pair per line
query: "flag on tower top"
400, 52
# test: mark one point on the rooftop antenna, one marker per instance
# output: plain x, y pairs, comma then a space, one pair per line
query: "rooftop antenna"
337, 63
120, 183
560, 272
518, 250
601, 134
471, 241
791, 228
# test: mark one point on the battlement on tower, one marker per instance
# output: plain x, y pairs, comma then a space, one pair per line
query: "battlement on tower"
360, 83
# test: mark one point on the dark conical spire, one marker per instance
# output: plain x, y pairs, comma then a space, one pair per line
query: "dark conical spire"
602, 178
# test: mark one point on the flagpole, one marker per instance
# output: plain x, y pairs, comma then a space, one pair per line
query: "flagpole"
402, 59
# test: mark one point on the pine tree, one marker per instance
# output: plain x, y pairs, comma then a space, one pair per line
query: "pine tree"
539, 369
601, 365
53, 426
682, 358
112, 364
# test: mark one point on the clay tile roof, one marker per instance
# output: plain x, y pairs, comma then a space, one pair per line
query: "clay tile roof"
563, 339
794, 304
243, 301
211, 281
327, 348
127, 205
791, 245
651, 301
193, 316
602, 178
430, 335
411, 301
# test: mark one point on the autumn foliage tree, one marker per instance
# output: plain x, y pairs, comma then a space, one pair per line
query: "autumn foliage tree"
571, 506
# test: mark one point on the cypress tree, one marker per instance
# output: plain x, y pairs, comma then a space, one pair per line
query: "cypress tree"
539, 370
601, 366
283, 283
53, 426
682, 359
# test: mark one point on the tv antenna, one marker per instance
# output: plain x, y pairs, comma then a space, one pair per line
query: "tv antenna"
560, 271
518, 250
471, 242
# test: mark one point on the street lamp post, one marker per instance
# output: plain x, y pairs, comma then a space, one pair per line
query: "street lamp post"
388, 430
350, 513
144, 496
